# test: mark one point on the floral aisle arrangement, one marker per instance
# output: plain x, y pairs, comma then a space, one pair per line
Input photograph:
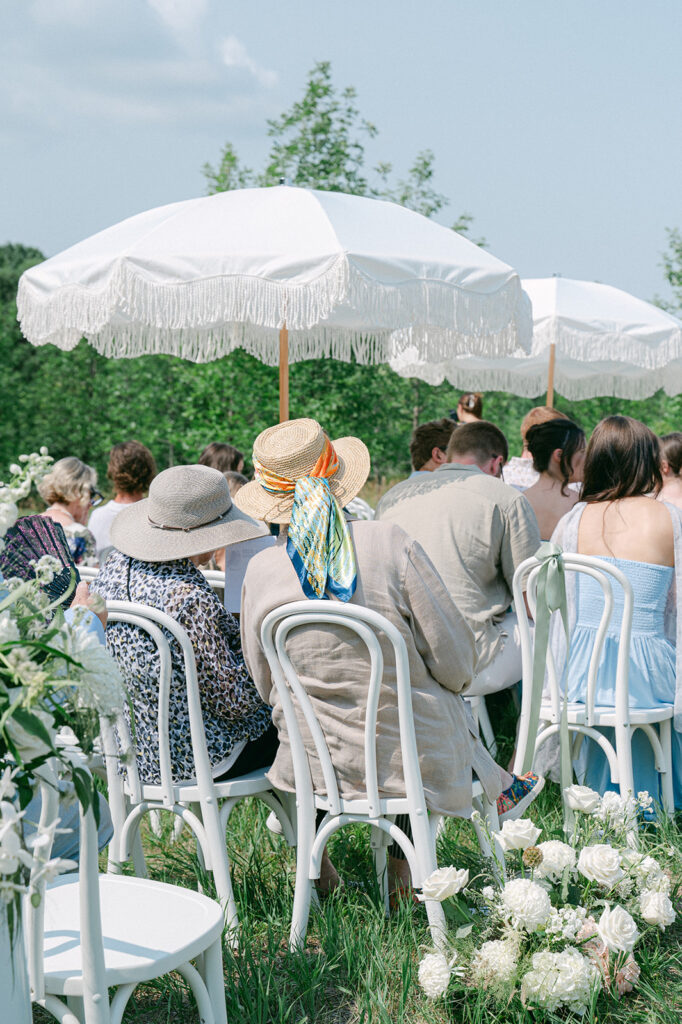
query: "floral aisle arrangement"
54, 674
565, 924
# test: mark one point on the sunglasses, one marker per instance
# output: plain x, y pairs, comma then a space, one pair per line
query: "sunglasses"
95, 498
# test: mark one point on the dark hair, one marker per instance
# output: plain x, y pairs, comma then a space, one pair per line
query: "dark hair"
671, 451
539, 414
426, 437
131, 467
235, 481
544, 438
622, 461
483, 440
223, 457
472, 401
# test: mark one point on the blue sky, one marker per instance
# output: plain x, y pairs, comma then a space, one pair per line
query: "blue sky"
557, 125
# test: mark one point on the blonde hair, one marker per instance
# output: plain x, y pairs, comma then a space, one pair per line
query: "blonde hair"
68, 480
540, 414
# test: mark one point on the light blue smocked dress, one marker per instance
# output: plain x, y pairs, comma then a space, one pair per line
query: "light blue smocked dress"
652, 669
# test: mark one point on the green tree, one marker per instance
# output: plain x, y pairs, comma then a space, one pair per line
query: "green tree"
672, 269
320, 143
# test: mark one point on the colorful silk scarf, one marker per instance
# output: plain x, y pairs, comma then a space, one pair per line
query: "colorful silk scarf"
319, 542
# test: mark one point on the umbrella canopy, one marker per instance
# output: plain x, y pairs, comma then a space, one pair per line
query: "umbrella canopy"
601, 340
343, 275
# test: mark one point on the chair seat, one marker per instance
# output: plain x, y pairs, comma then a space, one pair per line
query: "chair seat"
606, 716
149, 929
188, 792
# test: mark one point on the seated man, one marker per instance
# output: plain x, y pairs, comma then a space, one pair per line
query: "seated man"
430, 443
476, 531
428, 446
302, 481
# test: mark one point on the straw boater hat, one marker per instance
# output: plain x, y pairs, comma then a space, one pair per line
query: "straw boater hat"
189, 511
292, 450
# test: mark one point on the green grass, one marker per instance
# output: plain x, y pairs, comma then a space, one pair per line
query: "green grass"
359, 967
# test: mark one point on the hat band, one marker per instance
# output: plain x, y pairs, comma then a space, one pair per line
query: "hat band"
187, 529
326, 466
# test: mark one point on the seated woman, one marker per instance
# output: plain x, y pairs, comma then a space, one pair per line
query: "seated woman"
671, 469
302, 482
469, 408
131, 469
160, 541
70, 490
618, 520
558, 451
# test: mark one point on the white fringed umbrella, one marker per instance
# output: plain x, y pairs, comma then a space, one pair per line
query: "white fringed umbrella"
285, 273
588, 339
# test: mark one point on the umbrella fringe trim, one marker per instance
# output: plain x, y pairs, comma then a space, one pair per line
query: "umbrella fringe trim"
621, 347
251, 311
533, 384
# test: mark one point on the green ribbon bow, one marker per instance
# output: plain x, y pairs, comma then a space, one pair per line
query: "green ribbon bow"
550, 598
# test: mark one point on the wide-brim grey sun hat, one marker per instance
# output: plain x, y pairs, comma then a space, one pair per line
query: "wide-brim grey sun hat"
291, 450
189, 511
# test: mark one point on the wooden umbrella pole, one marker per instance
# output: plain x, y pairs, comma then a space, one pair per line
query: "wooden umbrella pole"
283, 374
550, 376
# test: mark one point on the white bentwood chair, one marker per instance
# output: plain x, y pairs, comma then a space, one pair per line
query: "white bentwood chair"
585, 718
91, 932
203, 804
373, 809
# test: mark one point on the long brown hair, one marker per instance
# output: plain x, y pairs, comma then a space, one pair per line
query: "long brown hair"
622, 461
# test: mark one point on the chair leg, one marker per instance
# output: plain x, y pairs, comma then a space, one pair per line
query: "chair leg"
667, 794
486, 728
214, 980
219, 866
425, 851
624, 756
304, 884
379, 843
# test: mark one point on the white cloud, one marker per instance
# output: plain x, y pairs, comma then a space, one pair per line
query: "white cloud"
182, 17
235, 55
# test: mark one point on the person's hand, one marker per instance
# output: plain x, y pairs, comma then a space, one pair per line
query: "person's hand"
91, 601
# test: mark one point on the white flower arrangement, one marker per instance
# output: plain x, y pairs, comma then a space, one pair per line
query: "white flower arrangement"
52, 674
566, 927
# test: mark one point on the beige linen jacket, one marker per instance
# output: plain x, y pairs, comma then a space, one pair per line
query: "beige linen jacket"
396, 579
476, 530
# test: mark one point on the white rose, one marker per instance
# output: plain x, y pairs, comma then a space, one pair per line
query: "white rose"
556, 857
601, 864
444, 882
525, 904
656, 908
582, 798
617, 930
518, 835
434, 974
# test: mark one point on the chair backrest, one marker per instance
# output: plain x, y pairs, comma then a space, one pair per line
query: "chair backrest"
606, 575
95, 999
153, 622
367, 625
215, 578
